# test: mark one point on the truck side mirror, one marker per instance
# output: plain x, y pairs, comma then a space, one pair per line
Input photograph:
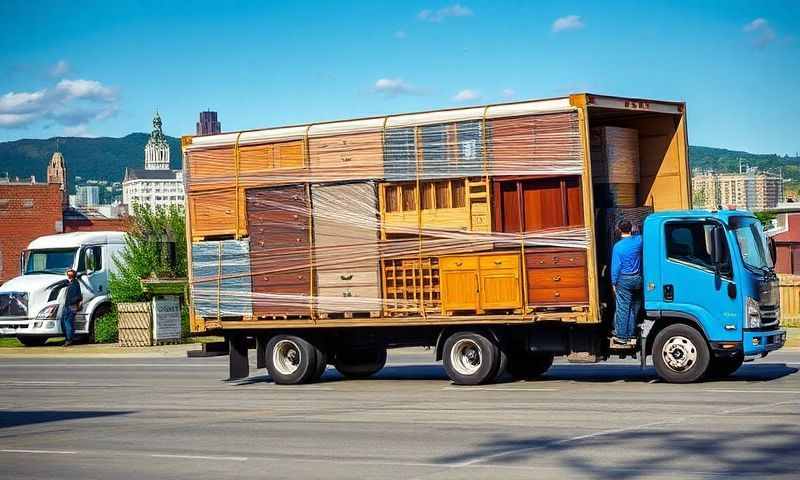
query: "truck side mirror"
717, 246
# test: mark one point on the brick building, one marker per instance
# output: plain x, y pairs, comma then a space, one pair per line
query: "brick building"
27, 211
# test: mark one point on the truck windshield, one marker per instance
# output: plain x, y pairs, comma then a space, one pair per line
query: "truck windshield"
49, 261
750, 237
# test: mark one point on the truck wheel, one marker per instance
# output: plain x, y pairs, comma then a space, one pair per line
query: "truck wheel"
360, 363
724, 367
470, 358
291, 360
322, 364
680, 354
32, 341
531, 365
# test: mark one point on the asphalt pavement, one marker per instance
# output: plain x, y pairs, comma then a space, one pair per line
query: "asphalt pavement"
136, 418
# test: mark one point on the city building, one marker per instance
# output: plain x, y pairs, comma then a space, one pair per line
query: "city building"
749, 189
87, 195
156, 185
208, 124
57, 173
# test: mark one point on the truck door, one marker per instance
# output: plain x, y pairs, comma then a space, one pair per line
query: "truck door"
93, 275
692, 285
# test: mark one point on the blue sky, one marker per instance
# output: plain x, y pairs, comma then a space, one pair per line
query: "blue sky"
102, 68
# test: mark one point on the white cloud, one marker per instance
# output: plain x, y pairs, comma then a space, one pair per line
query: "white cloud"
570, 22
80, 130
400, 35
455, 10
60, 69
68, 103
466, 95
508, 92
761, 32
393, 86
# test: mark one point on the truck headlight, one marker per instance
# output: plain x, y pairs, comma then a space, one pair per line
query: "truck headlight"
48, 313
753, 313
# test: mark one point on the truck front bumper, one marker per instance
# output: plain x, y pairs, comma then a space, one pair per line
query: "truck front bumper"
24, 326
760, 342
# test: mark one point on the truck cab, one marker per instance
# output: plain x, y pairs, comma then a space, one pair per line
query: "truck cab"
711, 296
31, 303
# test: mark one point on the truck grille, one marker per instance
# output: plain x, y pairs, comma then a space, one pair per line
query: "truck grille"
770, 315
13, 304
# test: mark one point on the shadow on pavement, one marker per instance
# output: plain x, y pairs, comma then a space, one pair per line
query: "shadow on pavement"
16, 418
761, 451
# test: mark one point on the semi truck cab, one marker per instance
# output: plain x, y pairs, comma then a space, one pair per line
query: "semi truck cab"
31, 303
711, 295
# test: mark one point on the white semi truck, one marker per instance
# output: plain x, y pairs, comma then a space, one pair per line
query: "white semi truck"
31, 304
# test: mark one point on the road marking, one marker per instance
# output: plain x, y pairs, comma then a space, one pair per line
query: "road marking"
200, 457
106, 365
723, 390
58, 452
501, 389
35, 382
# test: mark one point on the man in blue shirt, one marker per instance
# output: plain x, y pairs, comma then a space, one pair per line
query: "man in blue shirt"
626, 280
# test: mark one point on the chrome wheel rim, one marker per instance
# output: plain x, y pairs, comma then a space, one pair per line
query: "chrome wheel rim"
679, 354
286, 357
466, 356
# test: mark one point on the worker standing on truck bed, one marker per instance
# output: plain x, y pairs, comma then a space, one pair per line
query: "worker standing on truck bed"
626, 280
72, 303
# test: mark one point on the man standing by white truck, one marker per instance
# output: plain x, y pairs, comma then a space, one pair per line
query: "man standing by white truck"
32, 304
72, 303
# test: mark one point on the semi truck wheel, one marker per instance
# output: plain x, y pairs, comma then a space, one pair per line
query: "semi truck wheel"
680, 354
531, 365
723, 367
291, 360
32, 341
361, 363
471, 358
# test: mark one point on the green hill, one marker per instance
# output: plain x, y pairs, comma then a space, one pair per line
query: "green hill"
105, 158
102, 158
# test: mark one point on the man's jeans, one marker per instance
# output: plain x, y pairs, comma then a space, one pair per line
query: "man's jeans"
68, 322
629, 302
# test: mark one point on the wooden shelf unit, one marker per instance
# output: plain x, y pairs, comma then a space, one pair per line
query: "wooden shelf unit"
411, 286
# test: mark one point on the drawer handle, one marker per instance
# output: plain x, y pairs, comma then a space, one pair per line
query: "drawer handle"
557, 278
301, 277
555, 259
458, 264
557, 294
346, 158
266, 278
346, 277
541, 261
296, 216
347, 293
572, 259
498, 262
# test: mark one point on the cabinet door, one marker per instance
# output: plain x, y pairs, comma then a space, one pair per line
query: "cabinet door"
459, 290
500, 289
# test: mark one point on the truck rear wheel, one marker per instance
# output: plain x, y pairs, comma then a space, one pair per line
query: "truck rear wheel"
471, 358
530, 365
680, 354
361, 363
32, 340
292, 360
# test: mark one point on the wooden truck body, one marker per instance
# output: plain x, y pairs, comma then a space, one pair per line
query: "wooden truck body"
403, 227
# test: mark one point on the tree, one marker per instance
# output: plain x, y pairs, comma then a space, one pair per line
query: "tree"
147, 252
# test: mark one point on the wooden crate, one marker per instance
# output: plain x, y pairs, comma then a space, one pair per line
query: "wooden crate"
135, 324
213, 213
346, 157
478, 283
450, 204
409, 285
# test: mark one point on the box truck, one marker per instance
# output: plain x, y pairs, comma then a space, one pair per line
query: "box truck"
483, 232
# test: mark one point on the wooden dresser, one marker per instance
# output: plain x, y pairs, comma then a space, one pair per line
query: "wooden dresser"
477, 283
556, 276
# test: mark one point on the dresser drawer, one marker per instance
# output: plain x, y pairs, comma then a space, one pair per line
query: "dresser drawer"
458, 263
562, 258
348, 299
499, 261
279, 240
558, 295
345, 278
298, 280
557, 277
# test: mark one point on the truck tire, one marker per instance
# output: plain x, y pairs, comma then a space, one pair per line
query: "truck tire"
724, 367
531, 365
322, 364
680, 354
471, 358
361, 363
32, 340
291, 360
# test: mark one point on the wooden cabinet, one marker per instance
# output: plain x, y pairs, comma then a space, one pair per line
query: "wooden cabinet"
346, 157
280, 258
213, 213
528, 204
346, 254
556, 277
411, 285
535, 144
452, 204
481, 282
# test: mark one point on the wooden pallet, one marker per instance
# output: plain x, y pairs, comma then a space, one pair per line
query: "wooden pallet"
347, 315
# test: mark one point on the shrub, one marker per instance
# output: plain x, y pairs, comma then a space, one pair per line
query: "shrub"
105, 330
